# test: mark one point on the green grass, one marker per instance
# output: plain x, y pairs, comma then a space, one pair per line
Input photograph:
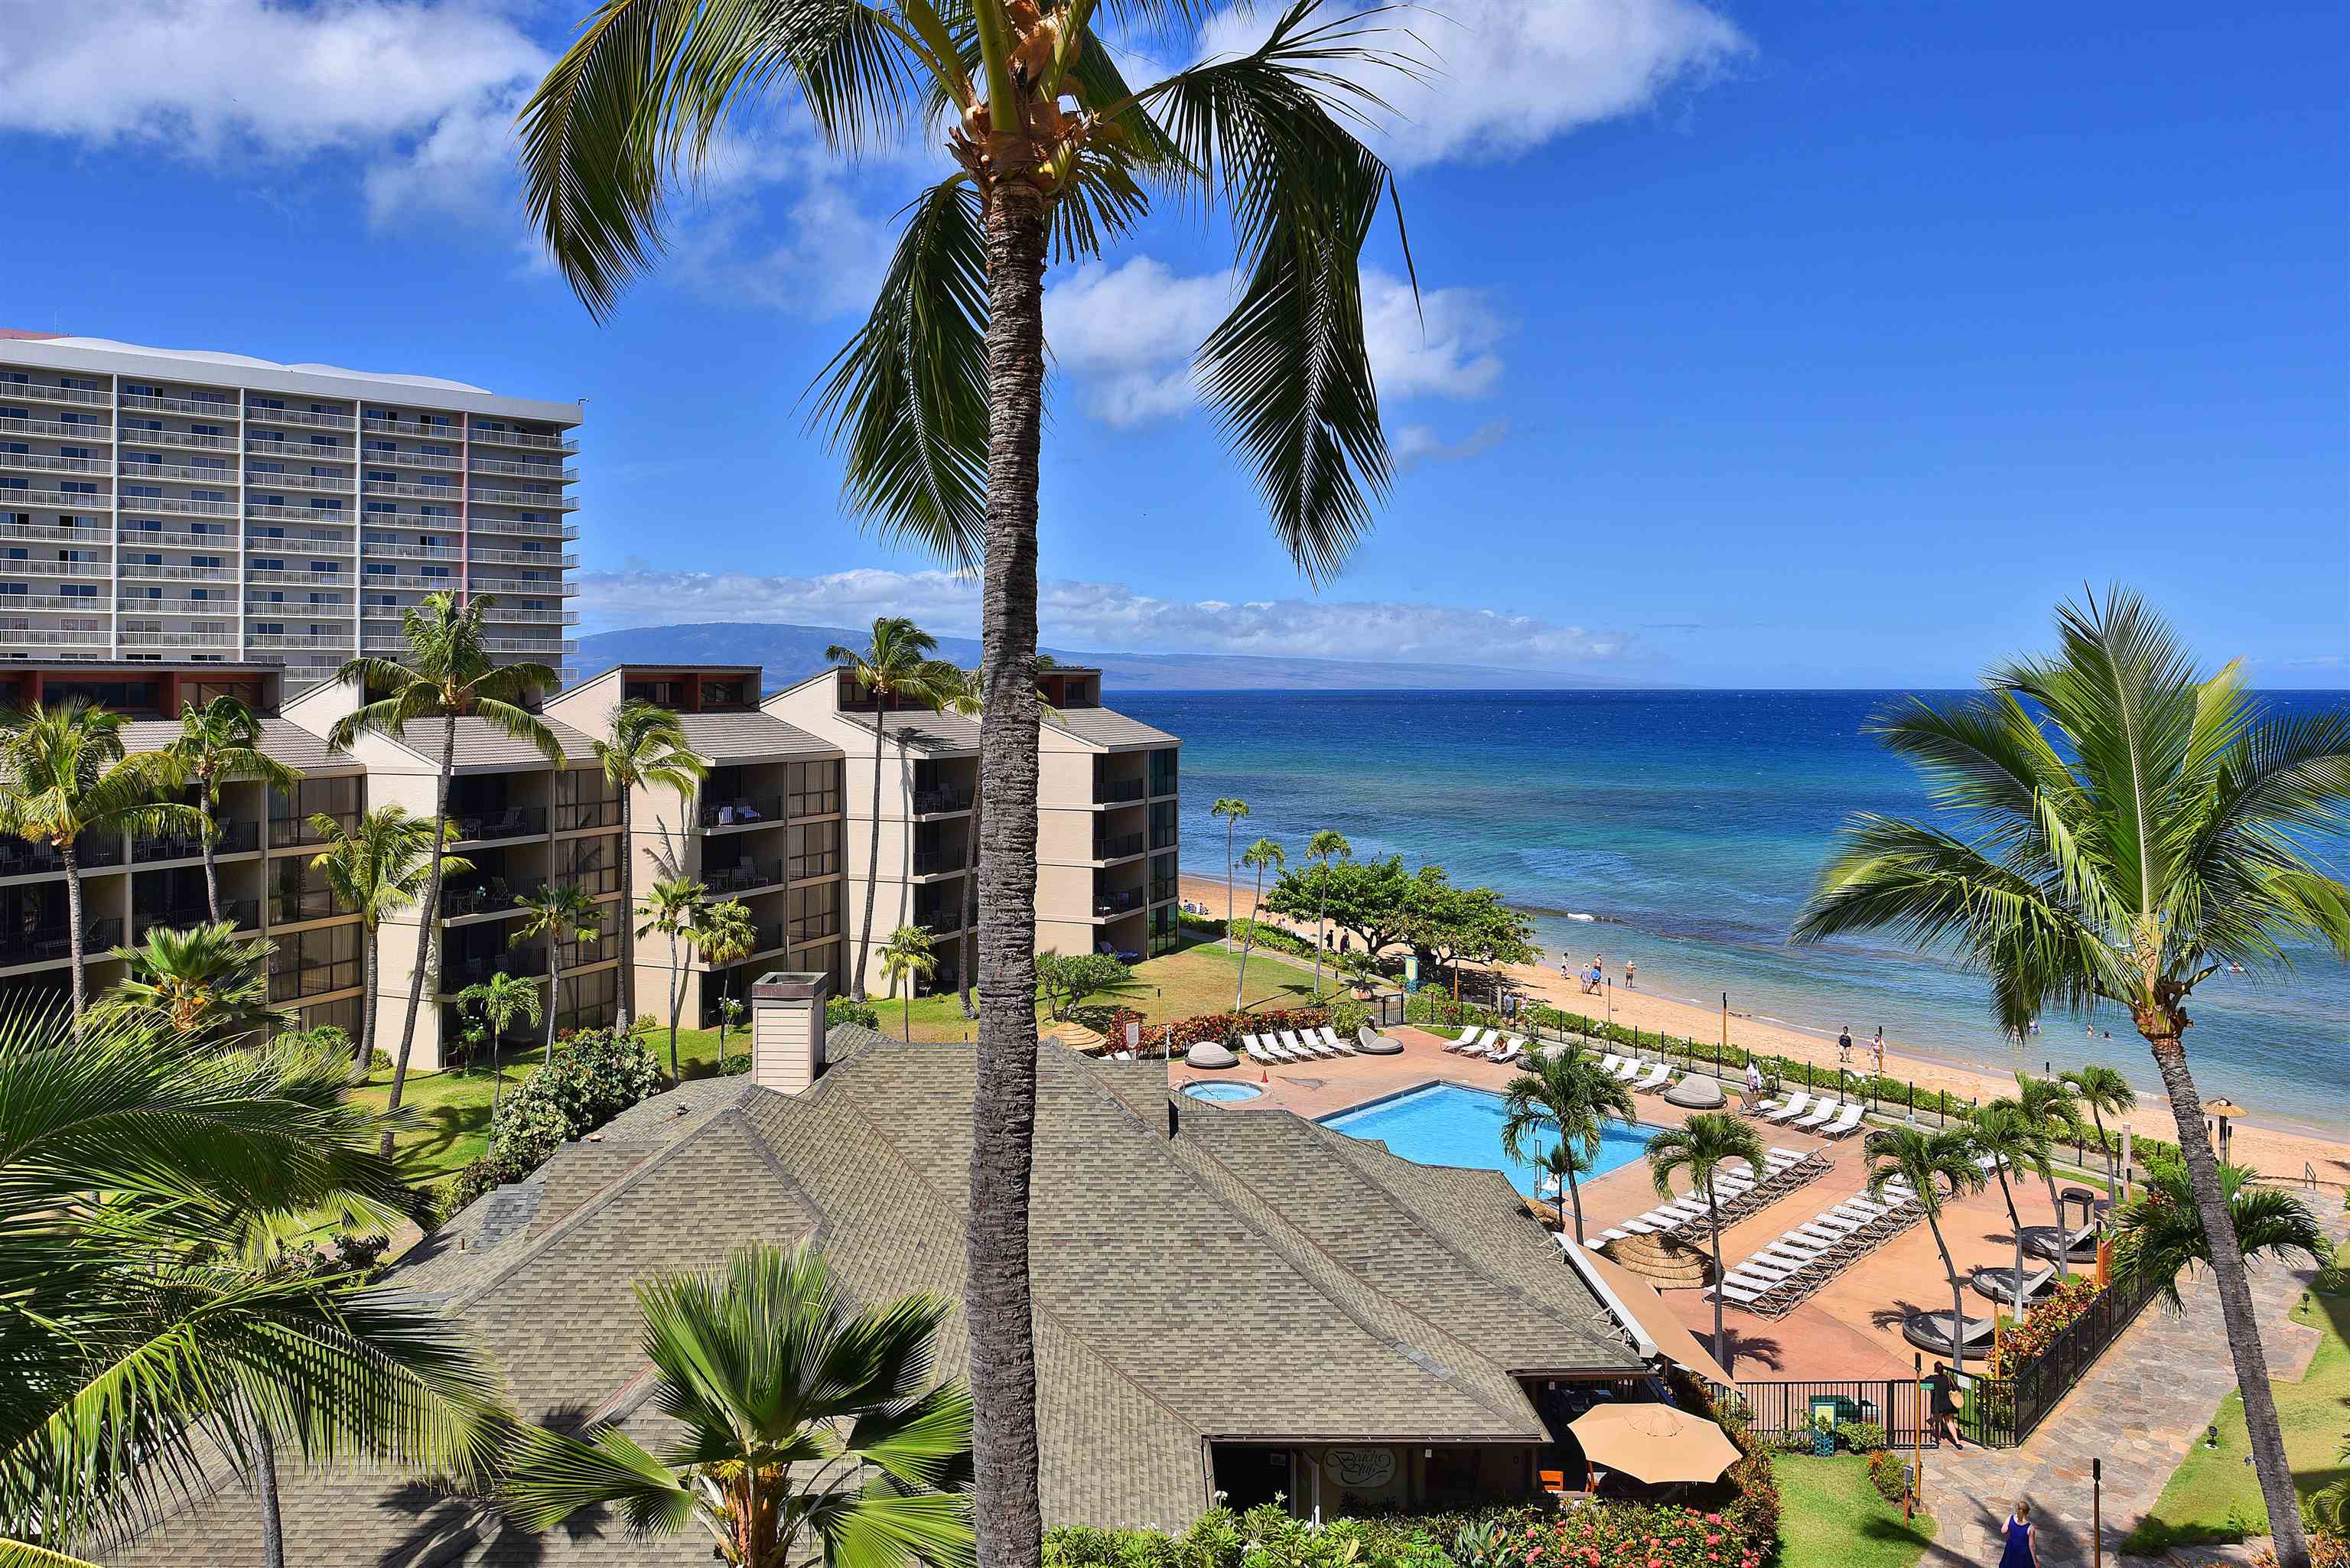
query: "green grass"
1830, 1515
2213, 1497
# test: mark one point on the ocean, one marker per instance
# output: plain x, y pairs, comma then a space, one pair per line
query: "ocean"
1683, 830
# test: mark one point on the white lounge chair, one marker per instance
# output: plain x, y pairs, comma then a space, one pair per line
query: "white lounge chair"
1336, 1043
1795, 1107
1628, 1070
1510, 1050
1610, 1063
1255, 1049
1468, 1037
1301, 1049
1822, 1114
1284, 1050
1848, 1121
1653, 1079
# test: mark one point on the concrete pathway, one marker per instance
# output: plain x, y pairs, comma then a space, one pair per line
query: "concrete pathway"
2149, 1397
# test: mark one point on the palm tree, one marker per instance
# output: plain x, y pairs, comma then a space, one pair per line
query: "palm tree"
220, 740
958, 693
807, 1432
895, 667
645, 748
1229, 809
1326, 845
135, 1346
2006, 1132
448, 675
497, 1001
561, 912
202, 982
71, 777
1706, 1144
1925, 1161
1567, 1095
375, 868
2136, 827
2102, 1092
671, 909
724, 934
907, 956
2047, 1104
1264, 852
939, 399
2158, 1235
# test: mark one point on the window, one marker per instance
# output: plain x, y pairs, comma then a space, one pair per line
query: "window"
205, 560
267, 564
79, 590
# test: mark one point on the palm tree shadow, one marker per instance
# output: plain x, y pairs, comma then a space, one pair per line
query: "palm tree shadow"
1745, 1345
1896, 1313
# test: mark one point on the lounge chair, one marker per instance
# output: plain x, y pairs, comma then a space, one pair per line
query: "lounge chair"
1822, 1114
1256, 1051
1627, 1069
1301, 1049
1999, 1284
1468, 1037
1795, 1106
1510, 1050
1331, 1038
1931, 1332
1610, 1064
2081, 1244
1653, 1079
1848, 1121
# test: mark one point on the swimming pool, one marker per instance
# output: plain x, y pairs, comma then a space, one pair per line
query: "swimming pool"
1450, 1123
1226, 1091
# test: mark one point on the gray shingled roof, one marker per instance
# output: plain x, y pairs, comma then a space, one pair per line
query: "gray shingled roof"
1107, 727
1380, 1300
939, 733
282, 739
750, 737
482, 746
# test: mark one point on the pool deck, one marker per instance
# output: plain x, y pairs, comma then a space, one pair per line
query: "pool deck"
1849, 1329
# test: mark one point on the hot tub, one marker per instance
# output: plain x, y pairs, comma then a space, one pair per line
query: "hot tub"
1226, 1092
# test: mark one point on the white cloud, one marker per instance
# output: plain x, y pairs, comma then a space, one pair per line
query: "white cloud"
1415, 444
1103, 617
423, 92
1126, 335
1508, 75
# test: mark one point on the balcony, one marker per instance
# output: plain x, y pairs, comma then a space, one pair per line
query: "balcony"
1162, 890
236, 839
326, 642
55, 604
563, 444
448, 524
1117, 846
265, 576
33, 566
556, 499
180, 504
815, 928
937, 862
514, 822
180, 574
937, 802
808, 867
386, 550
56, 427
291, 982
508, 587
744, 811
52, 944
301, 417
546, 560
527, 645
257, 444
263, 479
1118, 903
512, 469
25, 637
35, 392
53, 531
245, 914
457, 973
288, 909
414, 430
181, 438
415, 585
181, 473
531, 617
580, 815
42, 462
493, 897
298, 609
18, 859
480, 525
941, 917
438, 460
743, 875
59, 501
402, 488
318, 515
296, 832
173, 539
210, 407
1114, 793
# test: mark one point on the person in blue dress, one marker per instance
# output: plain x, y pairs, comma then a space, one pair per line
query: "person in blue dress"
2022, 1551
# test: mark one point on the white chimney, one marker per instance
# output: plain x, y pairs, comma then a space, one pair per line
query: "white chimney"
788, 1029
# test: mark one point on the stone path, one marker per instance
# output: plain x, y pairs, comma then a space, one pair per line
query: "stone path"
2149, 1396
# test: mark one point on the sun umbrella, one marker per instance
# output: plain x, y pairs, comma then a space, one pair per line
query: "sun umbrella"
1654, 1443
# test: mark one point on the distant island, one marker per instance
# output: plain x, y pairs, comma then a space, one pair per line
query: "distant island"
788, 653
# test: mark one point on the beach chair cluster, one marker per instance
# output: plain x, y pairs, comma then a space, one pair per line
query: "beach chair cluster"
1278, 1048
1487, 1045
1775, 1280
1823, 1116
1739, 1193
1642, 1077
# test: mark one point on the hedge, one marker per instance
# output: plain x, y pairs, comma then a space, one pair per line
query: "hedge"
595, 1076
1220, 1027
1888, 1472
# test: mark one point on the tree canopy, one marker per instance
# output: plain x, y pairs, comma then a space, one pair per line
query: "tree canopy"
1366, 899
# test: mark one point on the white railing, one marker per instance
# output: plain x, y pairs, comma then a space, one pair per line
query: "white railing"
292, 578
415, 585
297, 609
37, 567
449, 524
179, 639
184, 473
46, 462
514, 525
294, 640
523, 470
56, 427
560, 501
532, 616
98, 537
507, 588
378, 550
223, 409
156, 536
300, 416
57, 500
294, 546
313, 514
414, 492
36, 392
448, 461
180, 574
56, 603
130, 606
416, 429
42, 636
527, 645
548, 558
178, 438
563, 444
175, 503
279, 446
262, 479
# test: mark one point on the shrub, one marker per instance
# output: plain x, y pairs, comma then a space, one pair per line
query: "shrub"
1348, 1014
594, 1077
1862, 1437
2326, 1550
1217, 1026
1206, 925
843, 1010
2022, 1343
1258, 934
1890, 1474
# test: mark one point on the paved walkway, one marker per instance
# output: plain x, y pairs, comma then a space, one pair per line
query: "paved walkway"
2149, 1396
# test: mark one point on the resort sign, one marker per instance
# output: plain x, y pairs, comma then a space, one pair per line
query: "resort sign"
1361, 1469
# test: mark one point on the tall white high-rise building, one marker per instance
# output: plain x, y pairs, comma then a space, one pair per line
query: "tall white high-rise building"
172, 504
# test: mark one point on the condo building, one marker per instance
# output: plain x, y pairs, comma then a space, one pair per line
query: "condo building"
164, 504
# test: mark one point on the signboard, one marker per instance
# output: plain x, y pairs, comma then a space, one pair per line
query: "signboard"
1133, 1035
1824, 1409
1410, 973
1359, 1469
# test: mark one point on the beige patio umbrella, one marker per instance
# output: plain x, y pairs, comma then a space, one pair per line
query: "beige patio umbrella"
1654, 1443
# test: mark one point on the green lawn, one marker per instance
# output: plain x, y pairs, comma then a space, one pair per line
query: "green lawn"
2212, 1496
1831, 1517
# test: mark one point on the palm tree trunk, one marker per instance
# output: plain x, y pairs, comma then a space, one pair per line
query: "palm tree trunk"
272, 1524
1713, 1220
428, 919
369, 936
1230, 824
1248, 939
212, 868
970, 903
555, 1000
676, 1000
1575, 1196
2235, 1305
2063, 1251
2014, 1224
1006, 1510
73, 930
1957, 1302
1320, 938
628, 909
873, 855
906, 1011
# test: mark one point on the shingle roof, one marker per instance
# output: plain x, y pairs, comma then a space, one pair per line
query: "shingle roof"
1383, 1301
939, 733
750, 737
282, 739
483, 746
1107, 727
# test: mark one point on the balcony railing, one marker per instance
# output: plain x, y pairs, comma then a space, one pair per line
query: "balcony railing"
528, 645
815, 928
513, 616
236, 839
175, 539
386, 550
263, 479
59, 501
53, 944
544, 560
553, 470
51, 603
480, 525
181, 473
1118, 903
35, 566
514, 822
491, 898
260, 444
575, 815
245, 914
300, 417
304, 904
553, 498
534, 442
941, 918
177, 638
931, 862
18, 859
180, 438
743, 875
210, 407
743, 811
511, 587
272, 576
807, 867
40, 637
414, 430
43, 463
33, 391
930, 801
447, 524
1112, 792
178, 505
131, 604
271, 512
406, 491
298, 609
1117, 847
292, 639
414, 458
291, 832
457, 973
180, 574
55, 532
1161, 889
56, 427
290, 982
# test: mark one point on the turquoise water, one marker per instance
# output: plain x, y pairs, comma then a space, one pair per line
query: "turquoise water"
1223, 1092
1682, 830
1448, 1124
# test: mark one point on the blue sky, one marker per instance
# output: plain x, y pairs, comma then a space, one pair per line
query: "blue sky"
1765, 344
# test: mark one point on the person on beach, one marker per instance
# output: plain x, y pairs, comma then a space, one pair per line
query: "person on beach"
1881, 1051
1630, 968
1844, 1046
2021, 1550
1753, 1079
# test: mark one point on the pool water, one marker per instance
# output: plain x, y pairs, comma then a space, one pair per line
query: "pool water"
1448, 1124
1223, 1090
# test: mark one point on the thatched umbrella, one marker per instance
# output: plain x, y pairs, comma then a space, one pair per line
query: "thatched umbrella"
1667, 1262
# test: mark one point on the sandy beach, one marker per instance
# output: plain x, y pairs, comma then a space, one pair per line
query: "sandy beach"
2274, 1152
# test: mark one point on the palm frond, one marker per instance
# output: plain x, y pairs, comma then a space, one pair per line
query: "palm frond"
552, 1477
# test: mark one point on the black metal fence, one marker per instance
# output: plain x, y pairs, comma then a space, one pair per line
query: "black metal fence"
1776, 1409
2000, 1412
